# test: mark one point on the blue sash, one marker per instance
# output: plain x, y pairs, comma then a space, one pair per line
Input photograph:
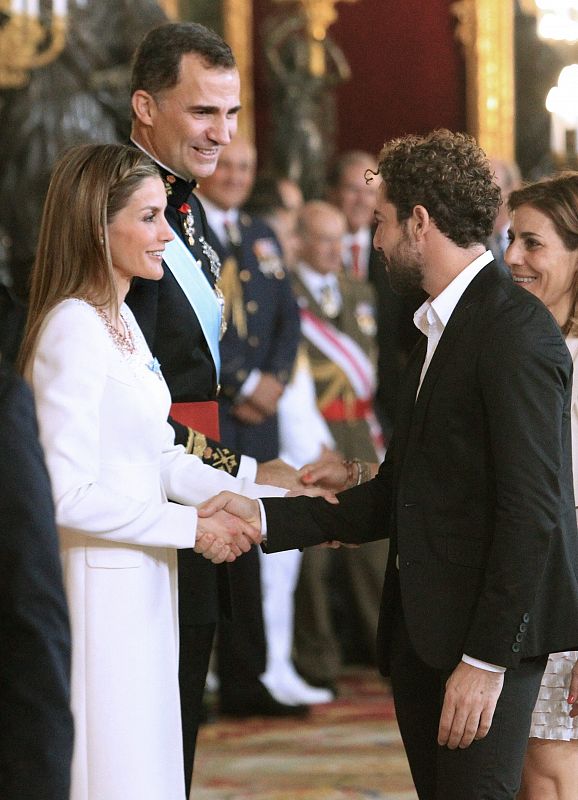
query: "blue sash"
189, 275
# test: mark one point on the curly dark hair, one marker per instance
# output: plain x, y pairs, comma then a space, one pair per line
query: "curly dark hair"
448, 174
157, 60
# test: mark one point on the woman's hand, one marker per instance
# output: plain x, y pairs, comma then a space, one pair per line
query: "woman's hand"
222, 534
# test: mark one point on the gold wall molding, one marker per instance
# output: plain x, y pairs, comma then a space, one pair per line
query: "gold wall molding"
486, 30
170, 7
238, 33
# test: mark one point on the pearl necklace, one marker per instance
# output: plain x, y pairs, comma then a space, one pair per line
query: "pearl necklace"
124, 342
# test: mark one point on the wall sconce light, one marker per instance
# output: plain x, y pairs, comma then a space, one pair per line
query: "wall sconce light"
562, 103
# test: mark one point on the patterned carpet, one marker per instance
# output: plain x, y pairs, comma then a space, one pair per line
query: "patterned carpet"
347, 750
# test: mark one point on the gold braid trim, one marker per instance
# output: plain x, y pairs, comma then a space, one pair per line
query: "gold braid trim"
232, 289
196, 443
338, 385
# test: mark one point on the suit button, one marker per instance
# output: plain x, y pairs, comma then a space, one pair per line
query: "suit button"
241, 374
252, 306
245, 275
526, 617
519, 637
515, 647
218, 390
523, 627
254, 341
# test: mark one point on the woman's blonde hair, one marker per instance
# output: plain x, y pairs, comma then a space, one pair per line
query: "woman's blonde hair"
90, 184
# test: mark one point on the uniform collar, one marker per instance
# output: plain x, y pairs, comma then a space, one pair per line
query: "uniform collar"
177, 188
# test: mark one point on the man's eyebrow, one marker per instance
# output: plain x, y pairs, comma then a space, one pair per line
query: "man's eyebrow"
214, 109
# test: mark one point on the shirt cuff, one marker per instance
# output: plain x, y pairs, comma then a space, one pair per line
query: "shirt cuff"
247, 468
475, 662
250, 384
263, 522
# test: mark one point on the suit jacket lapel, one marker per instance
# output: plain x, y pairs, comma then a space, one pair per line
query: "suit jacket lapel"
452, 334
406, 401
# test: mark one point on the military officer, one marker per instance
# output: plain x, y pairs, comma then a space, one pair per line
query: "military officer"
257, 351
185, 100
338, 324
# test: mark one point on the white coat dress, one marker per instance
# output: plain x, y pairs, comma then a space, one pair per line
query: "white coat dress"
115, 471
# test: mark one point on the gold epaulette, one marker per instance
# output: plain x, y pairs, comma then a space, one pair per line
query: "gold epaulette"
232, 289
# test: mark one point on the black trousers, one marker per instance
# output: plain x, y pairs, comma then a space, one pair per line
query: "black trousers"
491, 768
241, 638
195, 645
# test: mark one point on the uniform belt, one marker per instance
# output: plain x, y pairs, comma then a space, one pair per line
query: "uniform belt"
343, 411
202, 417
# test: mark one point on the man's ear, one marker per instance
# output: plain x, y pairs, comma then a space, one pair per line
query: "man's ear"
143, 105
420, 221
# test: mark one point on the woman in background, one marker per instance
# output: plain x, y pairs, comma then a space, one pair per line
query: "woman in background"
543, 259
123, 492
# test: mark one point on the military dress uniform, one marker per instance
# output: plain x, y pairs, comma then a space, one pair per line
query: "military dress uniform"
350, 309
262, 334
174, 335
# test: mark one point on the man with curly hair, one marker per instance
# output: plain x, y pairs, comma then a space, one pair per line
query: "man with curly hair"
475, 492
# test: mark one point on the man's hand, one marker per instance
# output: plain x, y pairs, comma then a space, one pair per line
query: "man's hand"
267, 394
222, 536
573, 691
248, 413
277, 473
328, 473
243, 508
469, 705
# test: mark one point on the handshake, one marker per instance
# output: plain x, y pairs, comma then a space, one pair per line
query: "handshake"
229, 524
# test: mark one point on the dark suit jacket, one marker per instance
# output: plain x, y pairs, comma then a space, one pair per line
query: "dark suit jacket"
36, 724
475, 492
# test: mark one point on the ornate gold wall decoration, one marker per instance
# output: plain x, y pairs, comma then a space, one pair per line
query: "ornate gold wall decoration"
27, 42
238, 27
486, 30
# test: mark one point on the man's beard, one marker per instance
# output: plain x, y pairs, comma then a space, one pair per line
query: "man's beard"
405, 269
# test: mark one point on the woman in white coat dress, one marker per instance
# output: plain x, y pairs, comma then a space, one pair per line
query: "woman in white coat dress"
124, 494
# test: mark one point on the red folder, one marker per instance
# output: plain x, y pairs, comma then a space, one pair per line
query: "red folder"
202, 417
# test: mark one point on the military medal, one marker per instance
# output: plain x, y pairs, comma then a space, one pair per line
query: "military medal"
330, 302
188, 223
221, 302
212, 257
365, 318
269, 258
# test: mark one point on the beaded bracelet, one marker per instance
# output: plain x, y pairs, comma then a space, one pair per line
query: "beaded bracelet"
351, 480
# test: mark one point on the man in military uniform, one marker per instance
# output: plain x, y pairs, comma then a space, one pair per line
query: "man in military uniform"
185, 99
257, 351
338, 326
